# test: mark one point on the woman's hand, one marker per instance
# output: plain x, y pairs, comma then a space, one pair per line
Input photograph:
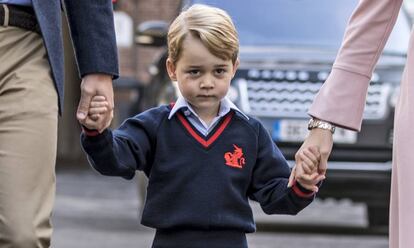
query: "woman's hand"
322, 140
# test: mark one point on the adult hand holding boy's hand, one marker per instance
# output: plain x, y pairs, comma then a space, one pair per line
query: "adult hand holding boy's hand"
305, 171
98, 111
93, 85
318, 138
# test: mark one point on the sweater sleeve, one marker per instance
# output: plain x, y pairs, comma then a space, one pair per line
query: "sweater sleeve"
125, 150
270, 178
365, 37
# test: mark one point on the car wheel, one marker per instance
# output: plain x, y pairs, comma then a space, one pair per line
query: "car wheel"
378, 216
157, 93
166, 94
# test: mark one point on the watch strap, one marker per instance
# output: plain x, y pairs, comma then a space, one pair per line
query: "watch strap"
315, 123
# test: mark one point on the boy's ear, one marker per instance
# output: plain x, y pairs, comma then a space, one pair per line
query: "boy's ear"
171, 69
235, 66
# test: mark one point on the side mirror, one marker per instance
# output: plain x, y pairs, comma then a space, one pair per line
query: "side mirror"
152, 33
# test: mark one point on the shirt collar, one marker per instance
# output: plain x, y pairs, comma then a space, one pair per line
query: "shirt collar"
225, 106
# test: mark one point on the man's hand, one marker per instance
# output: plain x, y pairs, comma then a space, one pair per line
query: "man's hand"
92, 85
322, 140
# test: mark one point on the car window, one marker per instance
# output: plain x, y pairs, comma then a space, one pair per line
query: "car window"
313, 23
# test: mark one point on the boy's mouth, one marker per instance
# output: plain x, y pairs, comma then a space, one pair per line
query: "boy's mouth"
205, 96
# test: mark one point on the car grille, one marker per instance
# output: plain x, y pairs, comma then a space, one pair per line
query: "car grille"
267, 93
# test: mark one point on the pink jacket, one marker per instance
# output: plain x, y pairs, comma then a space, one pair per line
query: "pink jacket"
341, 100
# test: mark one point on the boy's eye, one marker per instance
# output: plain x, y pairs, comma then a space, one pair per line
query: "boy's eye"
193, 72
220, 71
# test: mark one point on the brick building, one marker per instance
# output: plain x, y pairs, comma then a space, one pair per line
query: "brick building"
134, 62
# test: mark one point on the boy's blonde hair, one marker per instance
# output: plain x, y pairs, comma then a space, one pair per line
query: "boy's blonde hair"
214, 28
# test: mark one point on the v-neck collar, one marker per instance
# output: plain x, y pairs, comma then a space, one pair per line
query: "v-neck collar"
205, 141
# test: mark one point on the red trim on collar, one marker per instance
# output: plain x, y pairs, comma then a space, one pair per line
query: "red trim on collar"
201, 140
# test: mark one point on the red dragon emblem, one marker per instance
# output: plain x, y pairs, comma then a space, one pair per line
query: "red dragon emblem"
236, 158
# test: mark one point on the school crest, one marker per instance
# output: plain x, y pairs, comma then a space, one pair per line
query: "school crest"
235, 158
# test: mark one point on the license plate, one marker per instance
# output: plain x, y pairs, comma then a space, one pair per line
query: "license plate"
297, 130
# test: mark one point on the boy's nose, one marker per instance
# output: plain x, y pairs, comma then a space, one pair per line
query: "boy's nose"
207, 82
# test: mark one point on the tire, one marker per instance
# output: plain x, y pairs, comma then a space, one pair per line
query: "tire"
378, 216
158, 92
166, 94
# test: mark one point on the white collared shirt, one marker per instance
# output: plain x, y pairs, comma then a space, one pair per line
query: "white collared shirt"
225, 106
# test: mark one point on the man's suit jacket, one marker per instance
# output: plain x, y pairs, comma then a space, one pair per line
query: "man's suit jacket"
92, 31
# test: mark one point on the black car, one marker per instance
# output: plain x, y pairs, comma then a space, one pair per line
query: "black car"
286, 51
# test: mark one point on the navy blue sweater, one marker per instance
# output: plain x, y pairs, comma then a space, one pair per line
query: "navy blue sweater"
196, 182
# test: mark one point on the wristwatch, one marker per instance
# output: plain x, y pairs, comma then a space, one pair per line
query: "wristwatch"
314, 123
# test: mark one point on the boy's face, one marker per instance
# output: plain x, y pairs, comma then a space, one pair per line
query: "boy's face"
203, 79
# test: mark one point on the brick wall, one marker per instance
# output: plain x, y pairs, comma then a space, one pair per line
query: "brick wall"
134, 61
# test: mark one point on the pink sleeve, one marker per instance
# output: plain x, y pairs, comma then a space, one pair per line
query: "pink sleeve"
341, 100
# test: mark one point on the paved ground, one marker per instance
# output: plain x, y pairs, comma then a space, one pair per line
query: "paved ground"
95, 211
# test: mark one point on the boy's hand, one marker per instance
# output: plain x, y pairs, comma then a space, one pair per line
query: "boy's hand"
95, 84
306, 172
98, 111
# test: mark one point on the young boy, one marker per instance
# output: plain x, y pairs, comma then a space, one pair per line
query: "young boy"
204, 158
